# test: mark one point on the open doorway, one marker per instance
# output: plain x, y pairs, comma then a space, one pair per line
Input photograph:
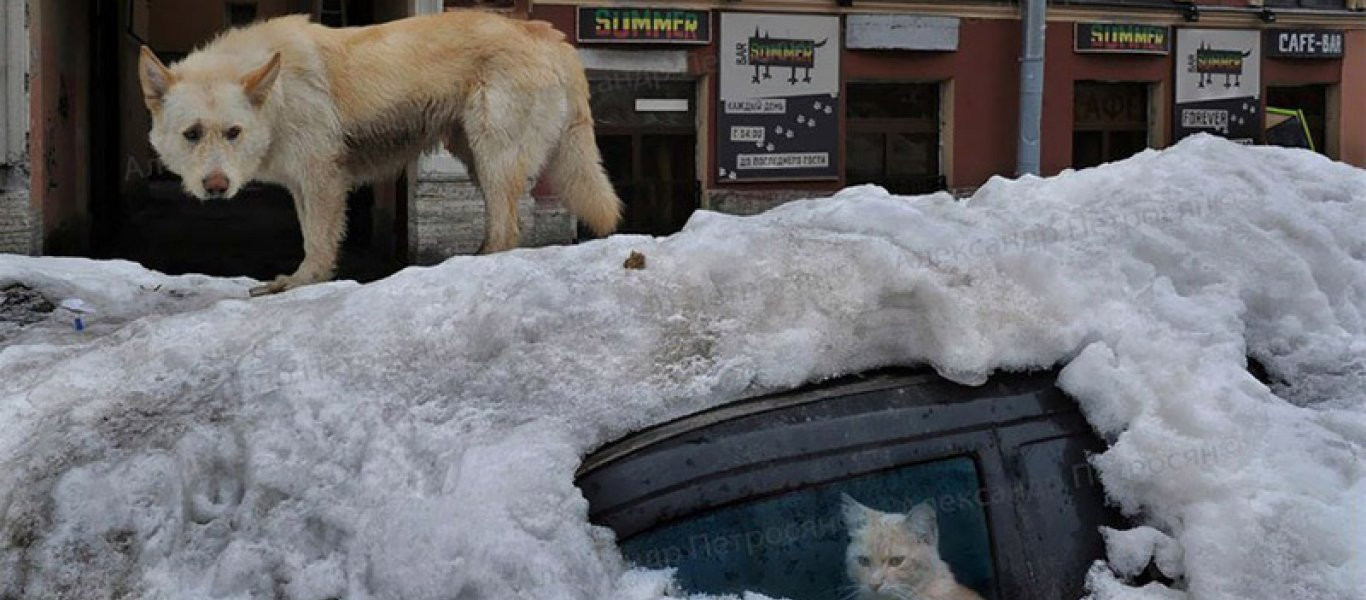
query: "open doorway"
139, 211
647, 134
1311, 104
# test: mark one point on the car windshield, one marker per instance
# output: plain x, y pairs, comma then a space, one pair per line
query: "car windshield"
794, 545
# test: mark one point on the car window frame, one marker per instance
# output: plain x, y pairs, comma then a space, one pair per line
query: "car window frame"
990, 424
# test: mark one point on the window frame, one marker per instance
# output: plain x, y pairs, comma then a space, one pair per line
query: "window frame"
889, 127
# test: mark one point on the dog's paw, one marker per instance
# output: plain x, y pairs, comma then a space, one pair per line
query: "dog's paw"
280, 284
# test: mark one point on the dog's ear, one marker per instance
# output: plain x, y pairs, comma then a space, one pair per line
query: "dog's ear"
155, 77
257, 83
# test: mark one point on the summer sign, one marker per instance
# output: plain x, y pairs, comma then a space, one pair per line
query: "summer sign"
1122, 38
644, 25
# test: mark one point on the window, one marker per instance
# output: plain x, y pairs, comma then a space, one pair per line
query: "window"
892, 136
1109, 122
793, 545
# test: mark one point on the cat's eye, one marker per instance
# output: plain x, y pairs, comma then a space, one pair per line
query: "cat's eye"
194, 133
896, 561
864, 561
232, 133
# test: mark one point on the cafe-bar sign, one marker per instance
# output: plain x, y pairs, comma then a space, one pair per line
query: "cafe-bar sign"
638, 25
1303, 43
1123, 38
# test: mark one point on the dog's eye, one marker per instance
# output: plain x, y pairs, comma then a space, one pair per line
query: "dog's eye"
194, 133
232, 133
863, 560
895, 561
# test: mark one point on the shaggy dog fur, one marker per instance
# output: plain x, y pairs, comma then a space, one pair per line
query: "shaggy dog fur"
321, 110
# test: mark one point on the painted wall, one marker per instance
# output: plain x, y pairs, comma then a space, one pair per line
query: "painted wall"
1352, 103
60, 142
986, 86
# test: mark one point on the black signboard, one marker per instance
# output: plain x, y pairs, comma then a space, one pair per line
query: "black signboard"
1303, 43
636, 25
1122, 38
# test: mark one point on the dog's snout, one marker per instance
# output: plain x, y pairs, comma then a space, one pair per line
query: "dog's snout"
216, 183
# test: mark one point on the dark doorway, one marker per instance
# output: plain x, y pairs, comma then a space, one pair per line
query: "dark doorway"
893, 136
142, 214
646, 132
1312, 101
1109, 122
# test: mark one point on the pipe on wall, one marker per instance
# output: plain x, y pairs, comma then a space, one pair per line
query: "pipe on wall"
1028, 149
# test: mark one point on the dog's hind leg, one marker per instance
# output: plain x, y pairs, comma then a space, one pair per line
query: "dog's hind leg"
509, 139
502, 179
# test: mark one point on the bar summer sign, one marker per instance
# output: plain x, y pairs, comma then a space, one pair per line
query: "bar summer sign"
1123, 38
779, 111
616, 25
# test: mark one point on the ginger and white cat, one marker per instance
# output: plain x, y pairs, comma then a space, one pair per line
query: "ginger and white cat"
896, 556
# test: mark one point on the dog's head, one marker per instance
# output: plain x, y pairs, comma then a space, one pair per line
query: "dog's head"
207, 122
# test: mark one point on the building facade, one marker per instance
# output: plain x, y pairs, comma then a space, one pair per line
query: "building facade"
926, 93
733, 106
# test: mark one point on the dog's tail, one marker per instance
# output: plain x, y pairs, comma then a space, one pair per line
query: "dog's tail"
575, 168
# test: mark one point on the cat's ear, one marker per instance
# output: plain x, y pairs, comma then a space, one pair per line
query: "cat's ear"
855, 514
922, 523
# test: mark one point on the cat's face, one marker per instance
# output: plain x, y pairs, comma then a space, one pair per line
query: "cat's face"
890, 555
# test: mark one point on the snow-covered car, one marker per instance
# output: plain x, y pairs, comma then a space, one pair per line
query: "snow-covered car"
747, 496
417, 438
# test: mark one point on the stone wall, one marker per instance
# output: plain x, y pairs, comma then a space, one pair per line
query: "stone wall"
447, 218
753, 202
18, 227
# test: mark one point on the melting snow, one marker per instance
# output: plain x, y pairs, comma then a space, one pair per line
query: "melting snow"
417, 437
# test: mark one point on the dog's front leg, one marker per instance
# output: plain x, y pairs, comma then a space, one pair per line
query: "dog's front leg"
321, 206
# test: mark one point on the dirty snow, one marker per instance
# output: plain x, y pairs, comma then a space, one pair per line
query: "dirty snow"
417, 437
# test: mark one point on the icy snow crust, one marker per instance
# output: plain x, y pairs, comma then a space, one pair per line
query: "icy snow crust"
416, 438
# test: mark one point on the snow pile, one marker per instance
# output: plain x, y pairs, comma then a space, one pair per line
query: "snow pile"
417, 437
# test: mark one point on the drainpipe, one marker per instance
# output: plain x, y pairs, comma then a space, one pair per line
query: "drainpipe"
1031, 87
